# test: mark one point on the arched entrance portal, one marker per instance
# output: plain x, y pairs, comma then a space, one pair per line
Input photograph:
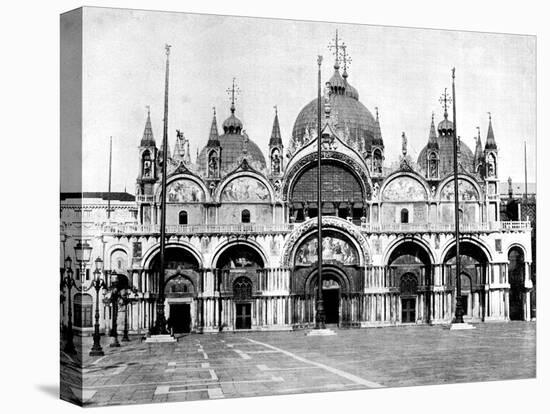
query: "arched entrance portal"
334, 289
473, 263
237, 267
181, 278
516, 277
410, 267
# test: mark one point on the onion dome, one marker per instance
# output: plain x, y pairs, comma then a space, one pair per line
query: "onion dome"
490, 143
232, 143
232, 125
446, 150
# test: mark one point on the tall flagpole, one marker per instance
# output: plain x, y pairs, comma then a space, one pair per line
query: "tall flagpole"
320, 311
458, 310
160, 325
109, 189
525, 166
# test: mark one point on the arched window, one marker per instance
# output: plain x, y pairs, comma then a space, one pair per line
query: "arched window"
404, 215
242, 289
83, 310
408, 284
245, 216
183, 217
147, 165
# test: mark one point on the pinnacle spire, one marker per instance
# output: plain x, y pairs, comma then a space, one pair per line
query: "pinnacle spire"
276, 131
490, 143
478, 154
214, 138
432, 138
148, 139
377, 131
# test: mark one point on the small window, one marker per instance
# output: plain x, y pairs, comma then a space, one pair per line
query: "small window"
245, 216
183, 217
404, 216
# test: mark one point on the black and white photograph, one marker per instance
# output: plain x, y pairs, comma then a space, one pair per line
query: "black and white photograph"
275, 207
270, 207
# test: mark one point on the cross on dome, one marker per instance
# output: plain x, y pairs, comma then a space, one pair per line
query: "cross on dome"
232, 92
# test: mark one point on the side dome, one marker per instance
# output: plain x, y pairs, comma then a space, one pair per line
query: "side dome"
446, 156
235, 145
349, 112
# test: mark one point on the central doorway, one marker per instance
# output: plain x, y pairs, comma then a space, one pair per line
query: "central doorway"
331, 300
243, 317
180, 317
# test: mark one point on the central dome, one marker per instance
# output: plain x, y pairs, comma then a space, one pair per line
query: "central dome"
347, 110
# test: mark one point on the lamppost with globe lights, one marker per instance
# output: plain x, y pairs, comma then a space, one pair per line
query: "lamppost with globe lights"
126, 299
97, 283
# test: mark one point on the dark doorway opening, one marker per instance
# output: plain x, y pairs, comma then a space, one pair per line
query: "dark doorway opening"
331, 302
516, 276
180, 317
408, 310
243, 318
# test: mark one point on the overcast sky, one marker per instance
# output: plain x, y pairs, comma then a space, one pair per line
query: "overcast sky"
402, 71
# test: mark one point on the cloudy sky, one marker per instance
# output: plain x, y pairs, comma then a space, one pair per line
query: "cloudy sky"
402, 71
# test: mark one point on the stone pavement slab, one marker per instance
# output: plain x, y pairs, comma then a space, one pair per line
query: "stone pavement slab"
228, 365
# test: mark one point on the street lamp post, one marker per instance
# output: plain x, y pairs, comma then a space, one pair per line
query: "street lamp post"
68, 282
98, 283
125, 297
114, 303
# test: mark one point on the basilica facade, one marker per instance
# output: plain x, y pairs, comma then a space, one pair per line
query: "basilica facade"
241, 249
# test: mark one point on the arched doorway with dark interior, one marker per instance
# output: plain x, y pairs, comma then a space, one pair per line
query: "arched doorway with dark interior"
409, 266
180, 288
473, 264
516, 278
237, 267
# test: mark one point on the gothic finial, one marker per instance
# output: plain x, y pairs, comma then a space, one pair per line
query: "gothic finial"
490, 116
214, 110
167, 48
376, 109
335, 46
433, 115
478, 133
403, 144
148, 110
276, 111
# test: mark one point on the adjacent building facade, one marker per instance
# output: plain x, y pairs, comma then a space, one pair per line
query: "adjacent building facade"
241, 248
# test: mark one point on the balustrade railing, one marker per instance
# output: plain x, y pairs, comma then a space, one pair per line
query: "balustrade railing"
287, 227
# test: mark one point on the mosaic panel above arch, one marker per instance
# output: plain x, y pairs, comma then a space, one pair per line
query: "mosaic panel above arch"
184, 191
335, 249
404, 189
466, 191
245, 189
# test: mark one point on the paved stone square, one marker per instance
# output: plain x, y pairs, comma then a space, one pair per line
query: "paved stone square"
243, 364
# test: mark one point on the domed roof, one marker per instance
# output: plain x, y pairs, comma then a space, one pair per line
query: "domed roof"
233, 150
445, 125
348, 111
446, 156
232, 124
